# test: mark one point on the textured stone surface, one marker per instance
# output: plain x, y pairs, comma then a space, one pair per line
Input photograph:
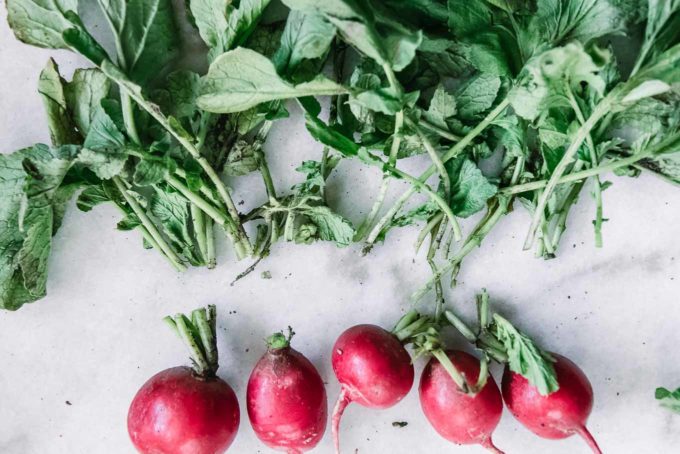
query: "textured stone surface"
71, 363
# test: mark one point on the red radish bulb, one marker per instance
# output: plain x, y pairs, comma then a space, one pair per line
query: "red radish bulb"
559, 414
183, 410
457, 416
287, 402
178, 412
373, 368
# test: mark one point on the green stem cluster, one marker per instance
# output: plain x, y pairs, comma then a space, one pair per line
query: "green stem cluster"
199, 334
150, 231
202, 226
456, 150
233, 224
594, 159
425, 334
392, 160
583, 132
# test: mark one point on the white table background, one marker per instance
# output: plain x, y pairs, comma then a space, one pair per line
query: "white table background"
98, 335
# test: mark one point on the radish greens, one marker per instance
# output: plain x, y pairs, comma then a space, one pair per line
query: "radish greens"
511, 103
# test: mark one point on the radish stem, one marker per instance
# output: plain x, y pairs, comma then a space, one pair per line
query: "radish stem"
452, 153
584, 433
583, 132
199, 336
343, 401
489, 446
456, 376
384, 185
149, 226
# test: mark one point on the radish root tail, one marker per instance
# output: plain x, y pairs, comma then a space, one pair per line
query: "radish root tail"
589, 439
489, 446
343, 401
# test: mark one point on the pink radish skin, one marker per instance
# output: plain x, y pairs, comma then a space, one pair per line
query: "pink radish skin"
373, 368
459, 417
560, 414
178, 412
287, 402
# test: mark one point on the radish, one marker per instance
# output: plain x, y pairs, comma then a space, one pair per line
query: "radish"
286, 398
460, 417
185, 410
373, 368
559, 414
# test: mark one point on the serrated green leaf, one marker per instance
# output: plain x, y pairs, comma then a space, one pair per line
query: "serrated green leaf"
172, 210
315, 180
79, 39
331, 226
448, 58
84, 95
152, 170
645, 118
224, 26
470, 190
104, 164
662, 28
29, 181
129, 222
305, 42
560, 21
512, 135
442, 106
241, 159
242, 78
547, 76
487, 46
104, 148
242, 21
666, 166
51, 88
178, 97
331, 136
420, 213
466, 18
383, 100
525, 357
265, 39
104, 133
360, 24
663, 68
90, 197
210, 17
40, 22
668, 399
477, 96
145, 33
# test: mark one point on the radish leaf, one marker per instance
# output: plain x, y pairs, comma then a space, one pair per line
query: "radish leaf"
40, 22
242, 78
145, 35
525, 357
29, 216
668, 399
305, 42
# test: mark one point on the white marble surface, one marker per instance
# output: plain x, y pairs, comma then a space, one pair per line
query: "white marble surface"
98, 336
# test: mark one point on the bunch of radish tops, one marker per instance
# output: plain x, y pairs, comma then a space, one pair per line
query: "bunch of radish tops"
512, 103
190, 410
